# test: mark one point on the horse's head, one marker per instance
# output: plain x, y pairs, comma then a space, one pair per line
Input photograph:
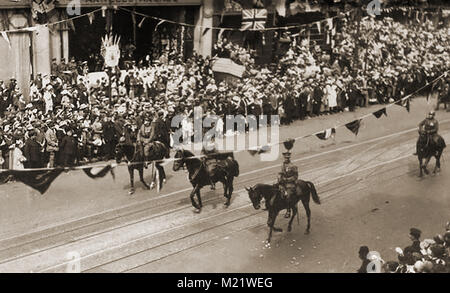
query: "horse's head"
179, 160
119, 152
123, 149
255, 197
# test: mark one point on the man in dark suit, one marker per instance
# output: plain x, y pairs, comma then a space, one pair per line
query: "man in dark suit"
32, 151
109, 135
68, 149
159, 131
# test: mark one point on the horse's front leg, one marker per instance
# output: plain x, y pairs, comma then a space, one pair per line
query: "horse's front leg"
131, 171
274, 217
421, 167
141, 177
199, 198
426, 165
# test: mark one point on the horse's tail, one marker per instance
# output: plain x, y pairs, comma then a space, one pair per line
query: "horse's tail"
314, 195
441, 143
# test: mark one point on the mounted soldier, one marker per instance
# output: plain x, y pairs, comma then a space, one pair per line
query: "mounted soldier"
430, 127
159, 131
144, 137
210, 160
288, 176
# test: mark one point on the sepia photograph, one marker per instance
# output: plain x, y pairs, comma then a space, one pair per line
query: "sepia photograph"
222, 141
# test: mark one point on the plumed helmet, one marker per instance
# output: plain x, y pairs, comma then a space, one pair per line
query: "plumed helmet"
289, 143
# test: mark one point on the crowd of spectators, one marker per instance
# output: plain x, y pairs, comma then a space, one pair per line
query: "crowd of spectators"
427, 256
71, 119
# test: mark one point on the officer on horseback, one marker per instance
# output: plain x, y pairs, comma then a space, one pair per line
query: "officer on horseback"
287, 178
430, 127
208, 150
144, 137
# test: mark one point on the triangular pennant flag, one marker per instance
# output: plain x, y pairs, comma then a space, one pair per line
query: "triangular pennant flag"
99, 172
379, 113
354, 126
39, 180
259, 150
5, 36
91, 17
205, 31
220, 34
71, 25
141, 22
280, 6
326, 134
318, 26
404, 103
159, 23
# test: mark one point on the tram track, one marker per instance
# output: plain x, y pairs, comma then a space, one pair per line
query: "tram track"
209, 199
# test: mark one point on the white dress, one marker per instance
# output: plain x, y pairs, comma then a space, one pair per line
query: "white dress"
332, 96
18, 159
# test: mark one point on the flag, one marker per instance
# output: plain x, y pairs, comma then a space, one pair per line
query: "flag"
354, 126
220, 33
254, 19
91, 17
5, 36
39, 180
259, 150
141, 22
280, 6
379, 113
159, 23
99, 172
404, 103
71, 25
326, 134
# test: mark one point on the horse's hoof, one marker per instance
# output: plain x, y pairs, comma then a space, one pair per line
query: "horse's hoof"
289, 229
131, 192
307, 232
197, 211
226, 204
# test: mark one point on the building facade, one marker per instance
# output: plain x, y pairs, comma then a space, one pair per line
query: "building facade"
25, 53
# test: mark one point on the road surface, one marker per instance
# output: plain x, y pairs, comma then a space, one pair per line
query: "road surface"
369, 186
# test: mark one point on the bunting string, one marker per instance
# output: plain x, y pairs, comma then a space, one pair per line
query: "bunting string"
253, 149
35, 27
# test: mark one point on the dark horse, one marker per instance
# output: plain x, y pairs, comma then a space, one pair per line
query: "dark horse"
135, 158
275, 202
426, 149
227, 168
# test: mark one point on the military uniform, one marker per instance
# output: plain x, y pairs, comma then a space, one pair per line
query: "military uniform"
288, 177
430, 126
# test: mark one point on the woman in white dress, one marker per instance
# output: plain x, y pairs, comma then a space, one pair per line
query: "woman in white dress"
18, 157
331, 95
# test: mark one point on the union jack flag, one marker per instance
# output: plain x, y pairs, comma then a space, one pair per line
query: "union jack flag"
254, 19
